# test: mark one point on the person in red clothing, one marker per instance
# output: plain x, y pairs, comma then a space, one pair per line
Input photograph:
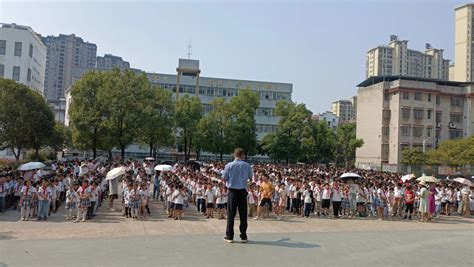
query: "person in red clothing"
409, 202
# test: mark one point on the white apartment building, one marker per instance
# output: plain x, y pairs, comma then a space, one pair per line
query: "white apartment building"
397, 59
330, 118
463, 43
396, 112
22, 56
343, 109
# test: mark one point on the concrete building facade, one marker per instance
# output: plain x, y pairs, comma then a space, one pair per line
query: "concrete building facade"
397, 59
187, 80
109, 62
330, 118
463, 43
22, 56
344, 109
396, 112
68, 58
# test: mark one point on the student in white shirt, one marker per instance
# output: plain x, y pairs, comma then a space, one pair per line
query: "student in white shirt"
145, 195
44, 195
326, 199
221, 200
308, 200
94, 198
27, 193
84, 193
210, 196
71, 202
178, 198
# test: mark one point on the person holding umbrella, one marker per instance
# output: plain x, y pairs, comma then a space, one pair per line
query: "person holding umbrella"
423, 208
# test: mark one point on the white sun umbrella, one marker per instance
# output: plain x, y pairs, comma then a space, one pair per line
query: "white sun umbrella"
463, 181
350, 175
427, 179
115, 172
31, 166
407, 177
163, 168
149, 158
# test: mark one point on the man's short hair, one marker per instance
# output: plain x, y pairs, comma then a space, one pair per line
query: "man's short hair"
239, 152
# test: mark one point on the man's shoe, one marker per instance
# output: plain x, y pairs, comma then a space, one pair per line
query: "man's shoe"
228, 240
244, 241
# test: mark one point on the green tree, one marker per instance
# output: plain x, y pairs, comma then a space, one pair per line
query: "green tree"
26, 121
157, 121
61, 138
187, 115
124, 96
318, 143
347, 142
87, 113
413, 156
242, 126
215, 129
457, 152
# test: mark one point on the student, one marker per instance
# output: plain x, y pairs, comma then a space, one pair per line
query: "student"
201, 202
145, 195
326, 199
169, 199
135, 199
266, 191
71, 199
3, 193
409, 202
336, 199
44, 195
27, 192
127, 201
94, 198
84, 193
178, 198
210, 196
17, 193
280, 210
308, 200
252, 200
221, 201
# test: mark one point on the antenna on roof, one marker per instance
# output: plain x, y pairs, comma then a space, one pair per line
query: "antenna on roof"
189, 49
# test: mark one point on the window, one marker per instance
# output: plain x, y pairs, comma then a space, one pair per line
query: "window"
454, 134
16, 73
455, 117
3, 47
28, 75
405, 130
386, 97
418, 96
406, 95
428, 114
456, 101
439, 117
428, 132
417, 131
405, 113
429, 97
386, 114
30, 53
2, 70
17, 49
385, 131
418, 114
438, 100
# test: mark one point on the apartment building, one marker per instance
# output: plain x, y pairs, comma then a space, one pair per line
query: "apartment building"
396, 112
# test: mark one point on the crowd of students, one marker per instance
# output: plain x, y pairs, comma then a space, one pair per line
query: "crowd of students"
302, 190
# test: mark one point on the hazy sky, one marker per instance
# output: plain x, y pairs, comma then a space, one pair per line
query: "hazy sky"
318, 46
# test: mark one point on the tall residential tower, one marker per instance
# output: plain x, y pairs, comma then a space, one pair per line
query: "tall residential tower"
463, 44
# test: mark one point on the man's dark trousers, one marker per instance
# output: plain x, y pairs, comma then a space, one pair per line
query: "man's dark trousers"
237, 201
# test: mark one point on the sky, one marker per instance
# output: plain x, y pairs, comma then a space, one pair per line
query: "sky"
319, 46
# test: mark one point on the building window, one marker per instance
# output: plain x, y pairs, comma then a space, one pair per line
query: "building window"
28, 75
2, 70
417, 131
30, 53
439, 117
428, 132
455, 134
17, 49
405, 113
428, 114
406, 95
386, 114
456, 101
438, 100
386, 97
455, 117
3, 47
418, 114
418, 96
429, 97
16, 73
405, 130
385, 131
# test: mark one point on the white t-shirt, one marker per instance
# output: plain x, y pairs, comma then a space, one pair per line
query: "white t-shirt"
326, 194
307, 196
210, 195
178, 197
94, 194
221, 197
398, 193
251, 197
44, 193
71, 196
31, 190
336, 195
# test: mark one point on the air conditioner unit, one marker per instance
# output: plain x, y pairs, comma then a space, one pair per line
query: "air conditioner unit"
438, 125
452, 125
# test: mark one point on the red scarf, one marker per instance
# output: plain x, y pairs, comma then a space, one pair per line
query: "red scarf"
45, 193
83, 190
27, 189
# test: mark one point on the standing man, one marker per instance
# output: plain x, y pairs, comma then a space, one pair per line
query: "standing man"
236, 174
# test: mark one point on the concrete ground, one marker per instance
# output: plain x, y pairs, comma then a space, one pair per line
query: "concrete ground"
111, 240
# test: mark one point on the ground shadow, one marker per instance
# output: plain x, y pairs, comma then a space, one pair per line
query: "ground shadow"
6, 236
286, 243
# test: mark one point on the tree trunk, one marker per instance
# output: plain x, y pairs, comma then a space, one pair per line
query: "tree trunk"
94, 152
221, 155
37, 154
122, 152
110, 155
17, 154
151, 150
